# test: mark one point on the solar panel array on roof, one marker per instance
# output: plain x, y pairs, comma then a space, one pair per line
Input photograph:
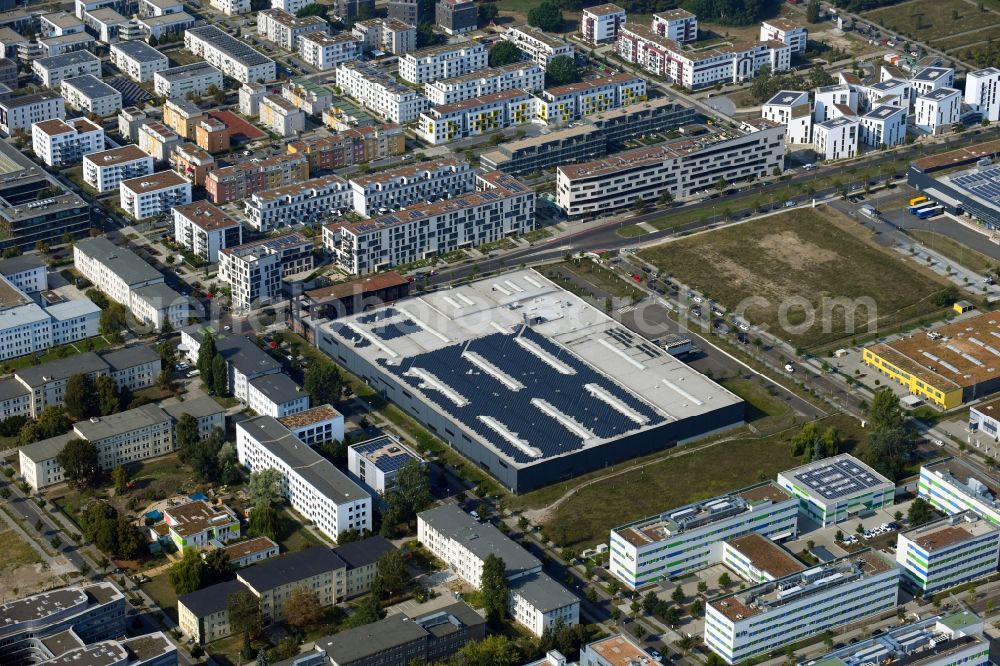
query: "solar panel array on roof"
984, 183
392, 456
839, 479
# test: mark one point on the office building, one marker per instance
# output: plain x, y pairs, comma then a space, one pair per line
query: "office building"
456, 16
787, 32
834, 489
983, 418
138, 60
540, 47
792, 109
276, 395
105, 170
948, 552
316, 425
601, 23
88, 94
953, 487
442, 62
677, 25
388, 35
938, 110
324, 51
177, 82
379, 92
524, 76
376, 462
61, 143
884, 126
254, 271
286, 30
23, 111
230, 55
616, 650
153, 195
398, 188
837, 139
52, 70
982, 92
205, 230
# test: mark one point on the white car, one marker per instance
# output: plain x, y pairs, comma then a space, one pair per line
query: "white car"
698, 299
789, 367
744, 326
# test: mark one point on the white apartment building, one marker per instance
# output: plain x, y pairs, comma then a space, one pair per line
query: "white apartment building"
276, 395
25, 110
442, 62
930, 79
787, 32
386, 34
107, 24
166, 24
312, 485
324, 51
769, 616
837, 139
286, 30
792, 109
26, 272
515, 76
306, 201
564, 104
450, 122
948, 552
231, 56
177, 82
158, 140
376, 462
156, 194
62, 143
540, 603
104, 171
245, 361
379, 92
938, 110
982, 92
678, 25
398, 188
601, 23
503, 207
88, 94
250, 96
61, 23
681, 167
232, 7
290, 6
685, 539
316, 425
827, 98
28, 328
138, 60
205, 229
281, 116
834, 489
254, 270
308, 96
952, 487
540, 47
884, 125
53, 69
891, 92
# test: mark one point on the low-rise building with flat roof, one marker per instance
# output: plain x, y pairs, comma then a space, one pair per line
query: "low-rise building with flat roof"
834, 489
376, 462
948, 552
196, 524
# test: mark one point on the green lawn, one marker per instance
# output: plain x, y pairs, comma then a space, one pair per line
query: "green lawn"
162, 592
766, 410
805, 270
536, 235
15, 551
603, 279
955, 251
631, 231
930, 20
56, 353
297, 537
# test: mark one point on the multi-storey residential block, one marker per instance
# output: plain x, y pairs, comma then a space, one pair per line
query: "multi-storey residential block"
230, 55
316, 425
61, 23
107, 24
953, 487
681, 167
929, 79
281, 116
884, 126
792, 109
891, 92
61, 143
52, 70
212, 135
172, 25
451, 122
158, 140
456, 16
787, 32
129, 120
564, 104
240, 181
938, 110
379, 92
312, 98
306, 201
828, 98
88, 94
138, 60
837, 139
26, 272
286, 30
276, 395
324, 51
403, 186
515, 76
948, 552
982, 92
192, 162
196, 524
442, 62
232, 7
105, 170
412, 12
386, 34
205, 230
177, 82
540, 47
688, 538
245, 361
349, 11
290, 6
182, 115
353, 146
601, 23
254, 270
832, 490
769, 616
20, 113
156, 194
376, 462
678, 25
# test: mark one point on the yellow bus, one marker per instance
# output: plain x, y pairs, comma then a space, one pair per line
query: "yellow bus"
918, 200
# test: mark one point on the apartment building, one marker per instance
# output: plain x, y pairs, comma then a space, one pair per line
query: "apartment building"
679, 541
787, 32
90, 95
205, 230
192, 163
61, 23
766, 617
828, 99
456, 16
306, 201
245, 361
352, 146
231, 56
20, 113
378, 92
442, 62
681, 167
182, 116
891, 92
982, 92
105, 170
601, 23
290, 6
212, 136
129, 120
138, 60
107, 24
177, 82
837, 139
929, 79
948, 552
324, 51
515, 76
276, 395
281, 116
241, 180
172, 25
401, 187
349, 11
953, 487
61, 143
412, 12
316, 425
884, 126
52, 70
834, 489
386, 34
286, 30
473, 117
312, 485
539, 46
377, 462
254, 270
792, 109
232, 7
564, 104
196, 524
156, 194
678, 25
938, 110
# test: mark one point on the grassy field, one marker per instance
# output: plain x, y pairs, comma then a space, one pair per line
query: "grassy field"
959, 42
15, 552
162, 592
589, 514
930, 20
795, 265
766, 410
955, 251
297, 536
606, 281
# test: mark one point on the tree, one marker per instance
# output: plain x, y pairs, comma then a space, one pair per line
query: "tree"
186, 575
217, 567
78, 460
120, 478
324, 383
494, 650
889, 444
187, 436
678, 595
263, 521
812, 11
129, 541
153, 41
725, 580
487, 12
426, 35
312, 9
109, 400
206, 356
80, 398
113, 319
493, 588
245, 616
204, 458
302, 608
349, 536
920, 512
546, 16
391, 575
264, 487
814, 444
945, 298
220, 375
368, 611
408, 496
504, 53
561, 71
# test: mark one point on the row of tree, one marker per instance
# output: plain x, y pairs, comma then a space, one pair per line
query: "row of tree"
767, 84
111, 532
212, 366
